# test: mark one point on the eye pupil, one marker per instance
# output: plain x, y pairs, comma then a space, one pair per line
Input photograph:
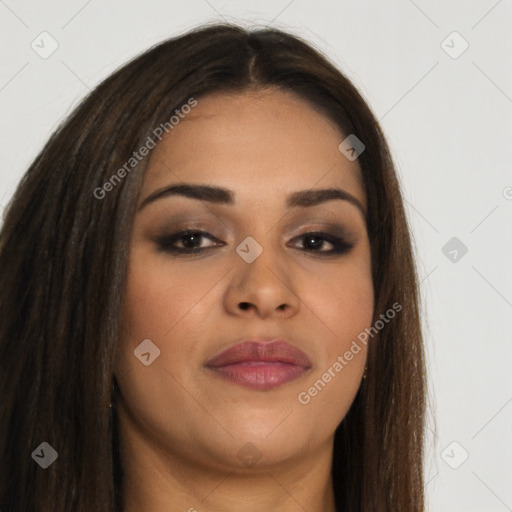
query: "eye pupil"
313, 238
190, 239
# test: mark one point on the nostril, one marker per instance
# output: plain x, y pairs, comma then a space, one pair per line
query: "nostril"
244, 305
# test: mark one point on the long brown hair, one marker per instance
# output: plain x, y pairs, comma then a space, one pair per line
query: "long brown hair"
63, 267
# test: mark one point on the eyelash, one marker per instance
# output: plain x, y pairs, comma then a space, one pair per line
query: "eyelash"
166, 243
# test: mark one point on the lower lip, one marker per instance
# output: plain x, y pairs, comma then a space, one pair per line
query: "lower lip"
260, 375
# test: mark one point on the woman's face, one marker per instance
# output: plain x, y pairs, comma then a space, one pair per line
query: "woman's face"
257, 277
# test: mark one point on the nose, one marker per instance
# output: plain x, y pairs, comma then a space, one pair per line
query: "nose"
264, 287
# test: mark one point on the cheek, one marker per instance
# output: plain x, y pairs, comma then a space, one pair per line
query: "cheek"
348, 301
342, 302
343, 310
160, 294
172, 304
154, 304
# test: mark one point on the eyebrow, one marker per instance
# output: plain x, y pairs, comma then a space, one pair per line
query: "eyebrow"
220, 195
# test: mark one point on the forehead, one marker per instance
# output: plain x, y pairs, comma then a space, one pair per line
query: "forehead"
259, 144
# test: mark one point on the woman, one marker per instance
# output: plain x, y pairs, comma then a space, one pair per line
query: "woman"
208, 295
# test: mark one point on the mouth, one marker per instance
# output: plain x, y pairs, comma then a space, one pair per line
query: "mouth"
260, 365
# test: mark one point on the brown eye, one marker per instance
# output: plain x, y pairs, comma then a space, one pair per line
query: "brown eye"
315, 239
190, 241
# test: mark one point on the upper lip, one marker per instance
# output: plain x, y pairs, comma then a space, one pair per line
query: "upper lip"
265, 351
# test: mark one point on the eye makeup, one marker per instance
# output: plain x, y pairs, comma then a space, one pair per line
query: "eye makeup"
189, 240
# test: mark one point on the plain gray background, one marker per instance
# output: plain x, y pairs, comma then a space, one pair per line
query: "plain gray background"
446, 110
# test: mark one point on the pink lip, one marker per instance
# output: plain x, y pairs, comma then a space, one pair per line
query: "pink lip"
260, 365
